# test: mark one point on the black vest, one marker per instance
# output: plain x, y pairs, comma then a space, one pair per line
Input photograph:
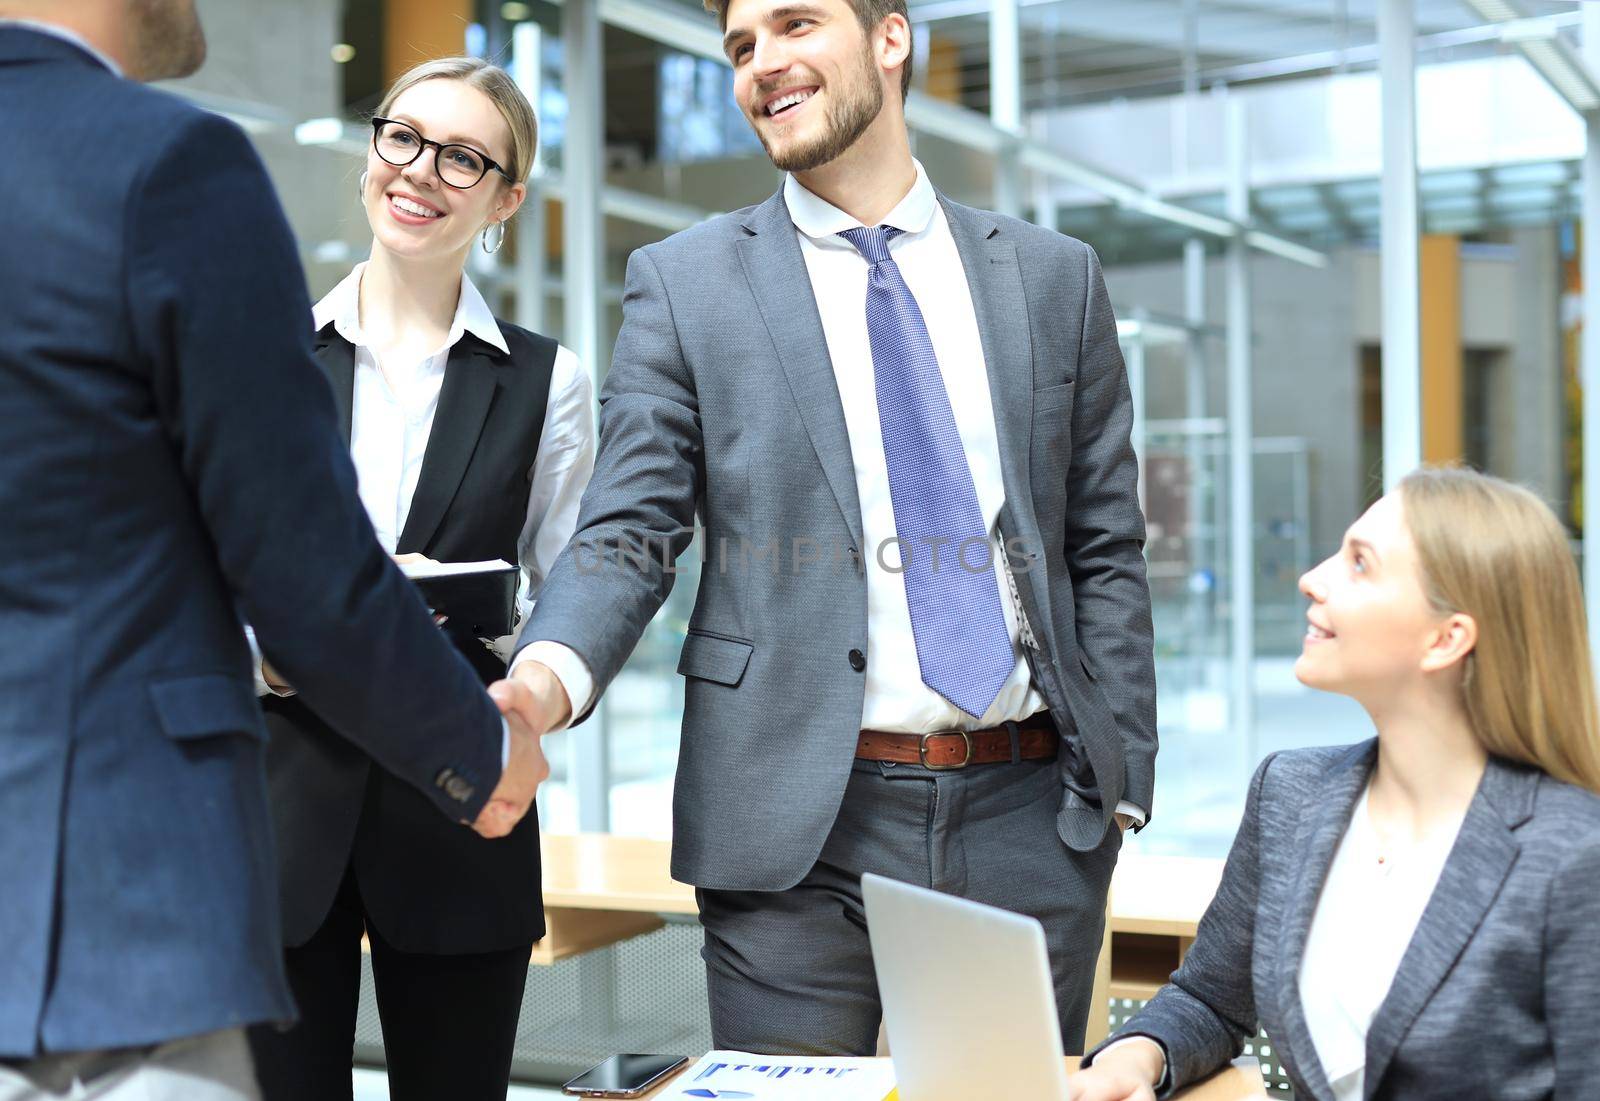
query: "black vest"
429, 884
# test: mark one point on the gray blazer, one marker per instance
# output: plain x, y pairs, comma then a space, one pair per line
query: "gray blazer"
721, 404
1498, 994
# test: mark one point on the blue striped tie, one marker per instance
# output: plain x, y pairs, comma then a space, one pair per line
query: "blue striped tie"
963, 646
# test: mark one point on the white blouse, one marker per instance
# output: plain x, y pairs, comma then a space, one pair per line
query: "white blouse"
1366, 916
392, 411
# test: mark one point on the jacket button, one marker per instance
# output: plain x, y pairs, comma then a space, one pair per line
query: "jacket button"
858, 660
456, 787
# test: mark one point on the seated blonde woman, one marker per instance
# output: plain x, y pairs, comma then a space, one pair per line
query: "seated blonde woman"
1417, 916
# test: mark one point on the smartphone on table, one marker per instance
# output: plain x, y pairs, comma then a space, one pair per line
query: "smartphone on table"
624, 1076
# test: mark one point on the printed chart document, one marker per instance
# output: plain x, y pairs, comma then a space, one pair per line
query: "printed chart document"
740, 1076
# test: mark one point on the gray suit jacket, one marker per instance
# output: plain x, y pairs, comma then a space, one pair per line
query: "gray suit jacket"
721, 403
1498, 994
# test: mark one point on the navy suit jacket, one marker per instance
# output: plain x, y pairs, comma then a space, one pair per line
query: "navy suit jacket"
172, 462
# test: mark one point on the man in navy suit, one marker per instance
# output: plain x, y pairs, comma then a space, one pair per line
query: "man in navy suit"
172, 464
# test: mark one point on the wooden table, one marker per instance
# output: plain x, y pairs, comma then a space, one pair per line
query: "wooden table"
600, 889
1156, 904
1240, 1082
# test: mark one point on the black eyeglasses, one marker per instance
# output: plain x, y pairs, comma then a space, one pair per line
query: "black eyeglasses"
460, 166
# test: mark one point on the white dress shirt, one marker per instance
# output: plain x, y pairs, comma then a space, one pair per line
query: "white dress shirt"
392, 411
1367, 913
56, 31
926, 253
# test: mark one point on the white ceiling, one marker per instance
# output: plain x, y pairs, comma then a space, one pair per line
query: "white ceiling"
1078, 51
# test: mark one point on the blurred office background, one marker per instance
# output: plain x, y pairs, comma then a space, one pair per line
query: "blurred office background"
1342, 237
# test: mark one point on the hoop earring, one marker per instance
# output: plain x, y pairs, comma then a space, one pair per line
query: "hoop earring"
361, 186
498, 241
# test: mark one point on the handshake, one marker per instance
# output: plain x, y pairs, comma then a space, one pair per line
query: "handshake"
533, 703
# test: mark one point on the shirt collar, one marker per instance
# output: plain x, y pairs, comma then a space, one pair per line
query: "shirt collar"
821, 220
474, 316
55, 30
342, 306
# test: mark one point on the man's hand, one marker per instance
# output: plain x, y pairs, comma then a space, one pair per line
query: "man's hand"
526, 767
533, 703
538, 696
1124, 821
1126, 1073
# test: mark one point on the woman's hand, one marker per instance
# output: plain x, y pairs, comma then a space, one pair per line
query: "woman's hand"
1127, 1072
274, 679
412, 559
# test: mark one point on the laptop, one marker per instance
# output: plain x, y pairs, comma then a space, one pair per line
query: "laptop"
967, 998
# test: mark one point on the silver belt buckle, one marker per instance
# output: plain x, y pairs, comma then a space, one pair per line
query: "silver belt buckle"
922, 750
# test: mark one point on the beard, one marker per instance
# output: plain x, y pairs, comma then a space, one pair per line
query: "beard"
852, 108
167, 40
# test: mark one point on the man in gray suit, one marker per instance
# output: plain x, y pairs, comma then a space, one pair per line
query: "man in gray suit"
922, 641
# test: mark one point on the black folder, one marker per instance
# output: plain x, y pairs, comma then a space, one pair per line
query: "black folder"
480, 600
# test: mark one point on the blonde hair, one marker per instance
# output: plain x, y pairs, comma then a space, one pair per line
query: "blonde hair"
1495, 551
493, 82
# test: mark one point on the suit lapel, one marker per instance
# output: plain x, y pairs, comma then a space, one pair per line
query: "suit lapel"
1477, 866
464, 400
1316, 840
338, 359
781, 285
1000, 304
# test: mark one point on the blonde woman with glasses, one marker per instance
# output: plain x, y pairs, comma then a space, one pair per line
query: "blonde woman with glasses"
1417, 916
472, 439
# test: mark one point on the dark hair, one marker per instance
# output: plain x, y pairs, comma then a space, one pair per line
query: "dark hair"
869, 12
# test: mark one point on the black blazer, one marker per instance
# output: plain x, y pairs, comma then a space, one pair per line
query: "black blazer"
428, 885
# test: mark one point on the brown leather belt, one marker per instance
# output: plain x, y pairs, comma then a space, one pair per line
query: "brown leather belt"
944, 750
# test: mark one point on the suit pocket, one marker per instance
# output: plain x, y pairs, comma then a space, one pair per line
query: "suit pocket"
1084, 663
714, 658
1053, 396
205, 705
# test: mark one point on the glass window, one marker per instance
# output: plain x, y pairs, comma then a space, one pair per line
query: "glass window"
698, 119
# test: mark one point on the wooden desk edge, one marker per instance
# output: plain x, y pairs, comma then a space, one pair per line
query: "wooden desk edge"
655, 891
682, 902
630, 902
